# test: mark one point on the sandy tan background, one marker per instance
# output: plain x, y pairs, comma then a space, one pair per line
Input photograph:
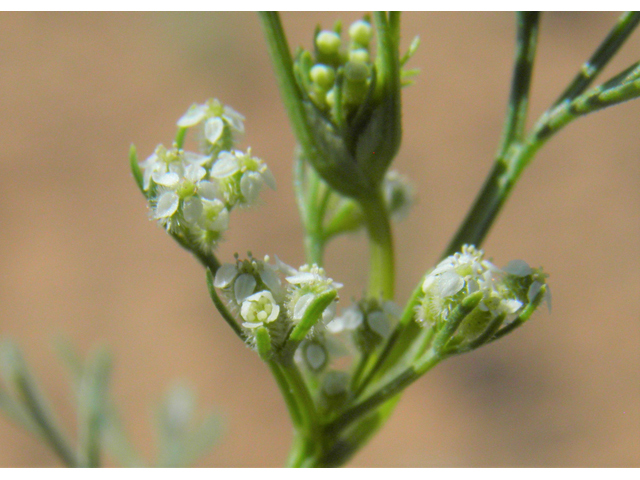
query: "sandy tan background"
79, 257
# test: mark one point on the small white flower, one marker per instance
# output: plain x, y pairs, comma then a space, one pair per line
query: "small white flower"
305, 285
240, 280
235, 120
350, 319
241, 177
212, 118
194, 115
259, 309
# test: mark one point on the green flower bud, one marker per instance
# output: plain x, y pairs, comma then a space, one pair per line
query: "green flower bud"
328, 43
361, 32
356, 126
359, 55
323, 76
355, 87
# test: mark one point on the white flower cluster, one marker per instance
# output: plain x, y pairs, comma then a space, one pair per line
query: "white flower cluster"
305, 285
254, 289
467, 272
193, 193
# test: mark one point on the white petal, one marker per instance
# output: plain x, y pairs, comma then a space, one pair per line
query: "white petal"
244, 286
315, 356
336, 325
194, 115
208, 190
225, 275
301, 277
194, 173
221, 223
449, 283
301, 305
213, 129
225, 166
353, 318
547, 298
284, 268
196, 158
329, 313
270, 278
275, 311
168, 179
519, 268
269, 179
392, 309
192, 209
443, 266
234, 118
429, 281
510, 306
379, 323
534, 288
250, 185
167, 205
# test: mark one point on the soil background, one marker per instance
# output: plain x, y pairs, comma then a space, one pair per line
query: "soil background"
79, 257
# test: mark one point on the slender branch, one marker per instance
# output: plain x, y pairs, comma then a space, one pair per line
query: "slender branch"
287, 393
17, 375
283, 66
526, 42
224, 311
396, 342
608, 48
388, 391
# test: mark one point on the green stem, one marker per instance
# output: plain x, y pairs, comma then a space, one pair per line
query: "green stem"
17, 375
287, 393
222, 309
387, 392
308, 426
283, 66
381, 258
396, 343
617, 36
208, 260
303, 452
526, 41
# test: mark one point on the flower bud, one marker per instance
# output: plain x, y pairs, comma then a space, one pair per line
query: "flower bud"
323, 76
355, 120
328, 43
361, 33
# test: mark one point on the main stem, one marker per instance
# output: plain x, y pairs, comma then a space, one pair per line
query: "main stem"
381, 257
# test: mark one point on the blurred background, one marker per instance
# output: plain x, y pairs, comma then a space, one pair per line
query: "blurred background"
79, 257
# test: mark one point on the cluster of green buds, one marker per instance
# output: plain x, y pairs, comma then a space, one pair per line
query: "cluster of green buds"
192, 193
467, 301
352, 103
